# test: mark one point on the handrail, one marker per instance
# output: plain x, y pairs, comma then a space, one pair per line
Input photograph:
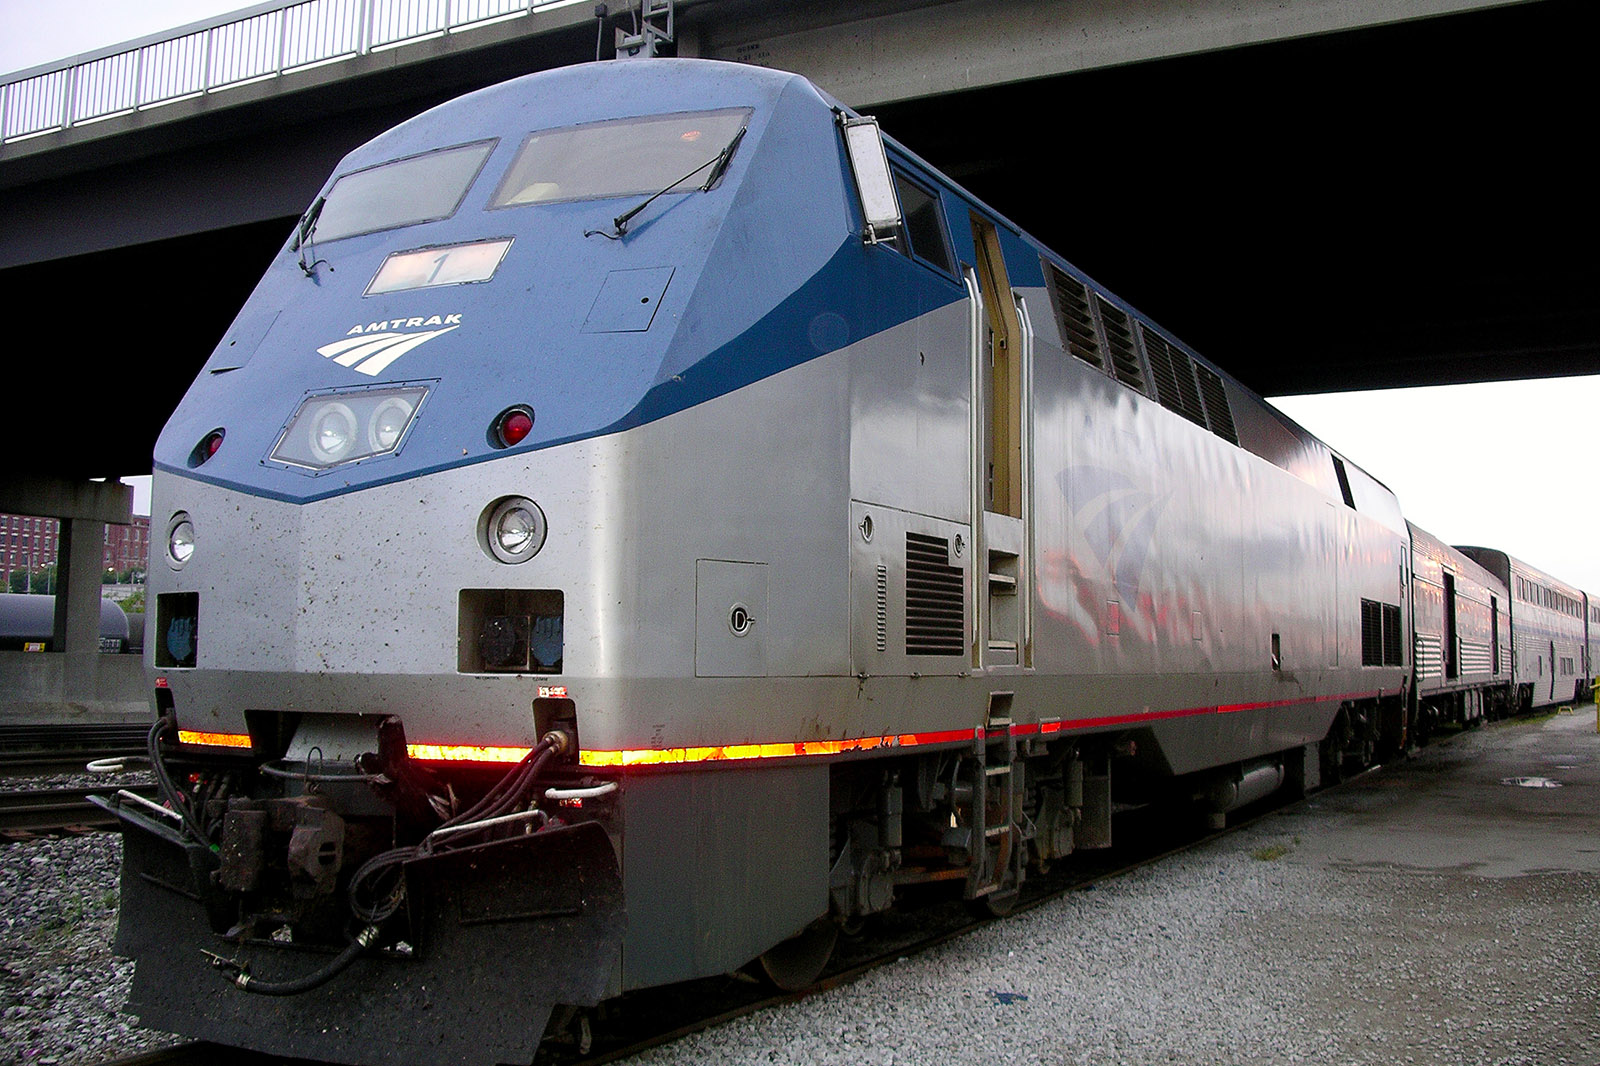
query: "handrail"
258, 43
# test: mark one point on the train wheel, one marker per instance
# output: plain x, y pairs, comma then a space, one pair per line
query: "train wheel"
1331, 750
798, 962
996, 904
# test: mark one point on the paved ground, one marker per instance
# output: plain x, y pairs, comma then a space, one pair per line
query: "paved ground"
1426, 913
1482, 942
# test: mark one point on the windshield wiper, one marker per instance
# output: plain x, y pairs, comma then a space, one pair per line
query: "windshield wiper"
719, 166
722, 161
303, 238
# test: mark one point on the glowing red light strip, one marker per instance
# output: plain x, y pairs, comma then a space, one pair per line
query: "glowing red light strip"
799, 749
214, 740
465, 753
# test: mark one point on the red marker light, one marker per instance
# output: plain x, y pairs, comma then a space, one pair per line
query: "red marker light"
517, 426
208, 446
512, 426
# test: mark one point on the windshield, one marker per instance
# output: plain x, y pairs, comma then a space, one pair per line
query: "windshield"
423, 188
627, 157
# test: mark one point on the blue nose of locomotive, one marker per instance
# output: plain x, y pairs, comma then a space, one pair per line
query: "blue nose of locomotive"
553, 273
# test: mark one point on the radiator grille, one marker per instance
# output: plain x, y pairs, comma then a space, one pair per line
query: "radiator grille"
1380, 634
1119, 339
1392, 653
1371, 633
1171, 368
935, 598
1075, 318
1215, 397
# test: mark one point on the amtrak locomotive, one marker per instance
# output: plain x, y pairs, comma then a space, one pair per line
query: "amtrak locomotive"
644, 518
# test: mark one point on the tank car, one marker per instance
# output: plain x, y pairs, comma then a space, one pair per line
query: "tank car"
645, 518
1549, 634
28, 623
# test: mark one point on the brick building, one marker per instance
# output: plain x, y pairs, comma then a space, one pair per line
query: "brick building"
28, 542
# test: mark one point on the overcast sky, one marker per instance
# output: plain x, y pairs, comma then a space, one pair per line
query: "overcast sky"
1509, 465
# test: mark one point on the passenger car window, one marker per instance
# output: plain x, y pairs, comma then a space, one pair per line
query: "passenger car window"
924, 229
422, 188
624, 157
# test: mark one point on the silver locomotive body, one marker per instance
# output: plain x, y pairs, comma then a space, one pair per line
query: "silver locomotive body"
841, 555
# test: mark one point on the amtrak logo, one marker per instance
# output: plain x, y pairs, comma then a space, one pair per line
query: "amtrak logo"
371, 348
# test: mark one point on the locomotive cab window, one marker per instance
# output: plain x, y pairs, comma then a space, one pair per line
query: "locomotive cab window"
924, 235
625, 157
422, 188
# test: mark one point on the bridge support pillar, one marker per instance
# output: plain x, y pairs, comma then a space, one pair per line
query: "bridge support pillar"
80, 549
74, 680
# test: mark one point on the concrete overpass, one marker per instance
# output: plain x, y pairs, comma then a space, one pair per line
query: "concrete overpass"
1319, 194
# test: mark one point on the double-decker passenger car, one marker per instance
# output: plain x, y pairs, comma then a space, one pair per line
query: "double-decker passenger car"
1549, 627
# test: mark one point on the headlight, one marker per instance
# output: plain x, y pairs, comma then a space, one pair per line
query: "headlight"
333, 432
387, 423
355, 424
180, 539
513, 529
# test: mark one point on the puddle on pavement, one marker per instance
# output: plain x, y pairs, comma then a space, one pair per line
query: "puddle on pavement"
1530, 782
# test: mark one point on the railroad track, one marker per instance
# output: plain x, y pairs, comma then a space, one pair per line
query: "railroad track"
31, 812
64, 748
641, 1020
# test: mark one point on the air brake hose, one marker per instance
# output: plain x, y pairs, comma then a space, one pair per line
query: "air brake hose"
510, 792
169, 791
340, 962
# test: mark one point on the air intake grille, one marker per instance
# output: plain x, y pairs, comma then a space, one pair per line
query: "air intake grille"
1175, 386
1218, 413
935, 598
1380, 634
882, 612
1119, 339
1075, 318
1392, 655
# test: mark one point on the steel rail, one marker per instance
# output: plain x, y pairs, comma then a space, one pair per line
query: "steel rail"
54, 809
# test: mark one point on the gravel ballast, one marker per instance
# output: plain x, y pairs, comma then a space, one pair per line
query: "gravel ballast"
61, 989
1298, 939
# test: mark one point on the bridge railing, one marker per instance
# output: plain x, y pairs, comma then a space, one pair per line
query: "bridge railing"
266, 41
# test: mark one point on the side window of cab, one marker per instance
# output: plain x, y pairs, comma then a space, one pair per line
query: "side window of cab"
924, 235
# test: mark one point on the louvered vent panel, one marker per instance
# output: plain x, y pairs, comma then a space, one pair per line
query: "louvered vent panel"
1171, 367
1429, 657
1218, 413
1075, 318
1160, 356
935, 598
1119, 339
1188, 392
1392, 652
882, 608
1371, 633
1476, 658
